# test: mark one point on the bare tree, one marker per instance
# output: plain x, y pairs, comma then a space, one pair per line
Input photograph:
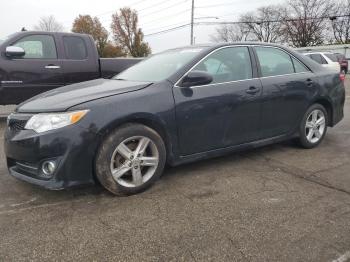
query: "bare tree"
304, 23
230, 33
341, 25
49, 24
264, 23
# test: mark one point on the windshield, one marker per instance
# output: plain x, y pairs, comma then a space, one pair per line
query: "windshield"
159, 67
4, 39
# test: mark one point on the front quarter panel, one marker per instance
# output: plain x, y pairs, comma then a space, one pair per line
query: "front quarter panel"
153, 105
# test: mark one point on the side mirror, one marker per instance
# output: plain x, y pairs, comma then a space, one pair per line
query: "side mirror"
14, 51
196, 78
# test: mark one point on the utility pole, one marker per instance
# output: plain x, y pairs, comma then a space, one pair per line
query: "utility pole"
192, 21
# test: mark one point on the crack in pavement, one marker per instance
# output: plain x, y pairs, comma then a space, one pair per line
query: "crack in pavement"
299, 173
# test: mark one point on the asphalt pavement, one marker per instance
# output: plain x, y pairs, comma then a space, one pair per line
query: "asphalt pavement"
276, 203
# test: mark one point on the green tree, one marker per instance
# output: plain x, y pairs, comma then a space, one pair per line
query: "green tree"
127, 34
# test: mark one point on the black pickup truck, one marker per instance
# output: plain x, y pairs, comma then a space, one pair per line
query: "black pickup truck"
35, 62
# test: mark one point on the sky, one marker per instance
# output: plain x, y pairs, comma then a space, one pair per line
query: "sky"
154, 16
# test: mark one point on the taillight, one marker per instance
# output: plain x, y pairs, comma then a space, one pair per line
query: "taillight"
342, 77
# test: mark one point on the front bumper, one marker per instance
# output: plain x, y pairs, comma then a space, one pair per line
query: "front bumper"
72, 148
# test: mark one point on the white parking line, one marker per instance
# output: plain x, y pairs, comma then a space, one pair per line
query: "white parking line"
343, 258
17, 210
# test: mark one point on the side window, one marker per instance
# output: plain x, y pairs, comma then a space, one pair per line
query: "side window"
227, 64
74, 47
274, 61
38, 47
299, 67
318, 58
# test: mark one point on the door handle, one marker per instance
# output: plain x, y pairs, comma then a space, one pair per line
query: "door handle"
252, 90
52, 67
309, 82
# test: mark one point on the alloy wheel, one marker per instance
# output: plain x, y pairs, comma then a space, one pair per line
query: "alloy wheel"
315, 126
134, 161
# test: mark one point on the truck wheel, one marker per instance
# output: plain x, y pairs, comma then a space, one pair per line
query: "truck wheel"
130, 159
313, 126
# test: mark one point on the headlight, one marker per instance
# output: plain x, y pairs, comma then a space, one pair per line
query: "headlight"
45, 122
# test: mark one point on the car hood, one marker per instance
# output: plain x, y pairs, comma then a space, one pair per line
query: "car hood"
62, 98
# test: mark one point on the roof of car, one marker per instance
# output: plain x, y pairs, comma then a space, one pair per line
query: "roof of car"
311, 53
216, 45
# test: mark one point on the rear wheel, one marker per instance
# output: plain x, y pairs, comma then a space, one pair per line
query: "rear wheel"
130, 159
313, 127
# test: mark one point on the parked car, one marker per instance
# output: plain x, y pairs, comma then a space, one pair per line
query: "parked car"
34, 62
344, 63
326, 59
178, 106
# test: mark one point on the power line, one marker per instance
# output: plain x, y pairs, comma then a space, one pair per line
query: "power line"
165, 17
159, 18
273, 21
169, 30
109, 12
168, 7
215, 5
249, 22
165, 27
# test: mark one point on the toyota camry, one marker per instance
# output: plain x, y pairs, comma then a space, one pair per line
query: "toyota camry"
175, 107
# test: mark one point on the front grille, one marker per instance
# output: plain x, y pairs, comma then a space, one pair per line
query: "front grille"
16, 125
16, 122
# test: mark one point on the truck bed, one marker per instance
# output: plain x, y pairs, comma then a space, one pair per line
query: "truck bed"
109, 66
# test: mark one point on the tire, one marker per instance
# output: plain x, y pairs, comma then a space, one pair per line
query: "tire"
118, 169
308, 124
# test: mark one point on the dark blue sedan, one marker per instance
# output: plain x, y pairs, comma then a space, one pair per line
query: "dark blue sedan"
175, 107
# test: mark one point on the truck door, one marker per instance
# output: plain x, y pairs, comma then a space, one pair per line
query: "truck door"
39, 70
80, 62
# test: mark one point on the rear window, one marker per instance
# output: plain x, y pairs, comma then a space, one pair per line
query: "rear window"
75, 48
332, 57
317, 58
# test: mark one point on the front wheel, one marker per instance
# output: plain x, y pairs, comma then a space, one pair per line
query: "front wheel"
130, 159
313, 126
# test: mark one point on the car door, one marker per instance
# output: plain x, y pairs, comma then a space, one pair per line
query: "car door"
288, 86
39, 70
225, 112
80, 63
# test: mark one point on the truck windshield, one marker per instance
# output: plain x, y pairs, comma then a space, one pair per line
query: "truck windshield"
160, 66
4, 39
